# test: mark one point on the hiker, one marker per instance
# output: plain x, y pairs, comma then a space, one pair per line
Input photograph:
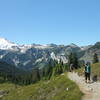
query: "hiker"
87, 72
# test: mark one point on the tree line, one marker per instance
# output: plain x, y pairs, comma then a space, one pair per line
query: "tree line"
9, 73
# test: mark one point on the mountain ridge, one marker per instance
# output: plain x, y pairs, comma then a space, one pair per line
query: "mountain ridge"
36, 55
4, 40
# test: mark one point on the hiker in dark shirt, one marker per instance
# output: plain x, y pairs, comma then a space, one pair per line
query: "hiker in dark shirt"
87, 72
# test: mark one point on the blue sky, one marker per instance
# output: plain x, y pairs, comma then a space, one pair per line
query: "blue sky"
50, 21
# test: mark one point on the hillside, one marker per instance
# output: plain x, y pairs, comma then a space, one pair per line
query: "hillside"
58, 88
89, 53
96, 70
9, 73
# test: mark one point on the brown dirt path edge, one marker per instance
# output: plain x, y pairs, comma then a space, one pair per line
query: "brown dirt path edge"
91, 91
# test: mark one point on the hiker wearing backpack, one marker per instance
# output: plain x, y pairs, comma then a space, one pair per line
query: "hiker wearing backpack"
87, 72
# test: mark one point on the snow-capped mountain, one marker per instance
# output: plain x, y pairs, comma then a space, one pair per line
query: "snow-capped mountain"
73, 45
5, 44
86, 47
36, 55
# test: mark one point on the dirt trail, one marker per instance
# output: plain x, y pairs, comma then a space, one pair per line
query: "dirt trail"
91, 91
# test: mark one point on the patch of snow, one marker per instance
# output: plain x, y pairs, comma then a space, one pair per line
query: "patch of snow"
24, 48
1, 56
5, 44
86, 47
42, 46
63, 58
39, 60
53, 56
25, 63
16, 61
73, 45
58, 58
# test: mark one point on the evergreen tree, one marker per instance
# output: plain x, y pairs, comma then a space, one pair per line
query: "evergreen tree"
73, 60
70, 60
95, 58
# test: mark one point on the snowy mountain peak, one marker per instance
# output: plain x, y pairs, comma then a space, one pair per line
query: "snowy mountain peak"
5, 44
73, 45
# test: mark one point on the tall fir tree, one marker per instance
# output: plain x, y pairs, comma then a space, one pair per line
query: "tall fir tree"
73, 59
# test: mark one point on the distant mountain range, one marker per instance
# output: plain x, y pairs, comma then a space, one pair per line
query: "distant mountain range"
36, 55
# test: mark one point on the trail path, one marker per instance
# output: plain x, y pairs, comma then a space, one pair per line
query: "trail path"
91, 91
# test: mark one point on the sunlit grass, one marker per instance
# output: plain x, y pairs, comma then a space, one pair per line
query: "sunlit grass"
58, 88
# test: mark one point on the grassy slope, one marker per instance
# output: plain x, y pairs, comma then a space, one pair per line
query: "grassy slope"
55, 89
96, 70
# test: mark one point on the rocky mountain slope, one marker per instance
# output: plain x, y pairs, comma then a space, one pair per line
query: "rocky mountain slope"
35, 55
